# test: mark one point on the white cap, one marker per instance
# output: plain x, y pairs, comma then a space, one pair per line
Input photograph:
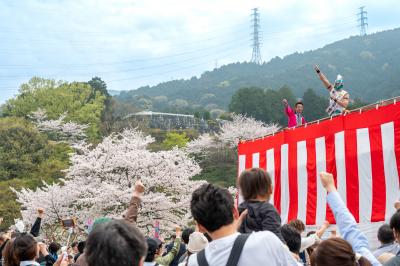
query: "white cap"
197, 242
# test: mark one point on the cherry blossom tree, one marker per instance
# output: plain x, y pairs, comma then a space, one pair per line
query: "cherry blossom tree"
58, 128
244, 128
240, 128
100, 182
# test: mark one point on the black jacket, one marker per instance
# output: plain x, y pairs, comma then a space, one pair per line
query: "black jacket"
261, 216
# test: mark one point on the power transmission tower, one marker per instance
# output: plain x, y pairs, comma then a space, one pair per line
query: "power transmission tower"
363, 21
256, 38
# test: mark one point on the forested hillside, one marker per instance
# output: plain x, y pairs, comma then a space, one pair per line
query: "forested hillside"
370, 67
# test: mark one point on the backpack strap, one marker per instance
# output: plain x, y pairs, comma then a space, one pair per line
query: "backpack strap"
237, 250
201, 258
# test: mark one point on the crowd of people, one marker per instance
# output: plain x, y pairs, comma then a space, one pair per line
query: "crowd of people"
224, 234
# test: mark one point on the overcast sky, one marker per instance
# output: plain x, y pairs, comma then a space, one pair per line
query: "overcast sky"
133, 43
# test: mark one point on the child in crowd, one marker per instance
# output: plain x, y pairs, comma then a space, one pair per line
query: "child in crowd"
256, 188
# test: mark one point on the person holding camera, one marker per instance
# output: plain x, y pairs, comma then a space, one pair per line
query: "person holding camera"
339, 98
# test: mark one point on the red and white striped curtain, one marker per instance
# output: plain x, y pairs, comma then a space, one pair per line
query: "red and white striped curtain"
361, 150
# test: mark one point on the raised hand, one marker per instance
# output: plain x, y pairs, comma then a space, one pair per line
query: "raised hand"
327, 181
139, 187
40, 212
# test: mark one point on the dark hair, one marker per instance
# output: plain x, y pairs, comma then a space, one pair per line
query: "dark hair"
8, 255
74, 244
186, 233
310, 233
254, 182
298, 103
292, 238
81, 246
54, 247
395, 221
336, 251
385, 234
152, 248
23, 247
115, 243
298, 224
212, 207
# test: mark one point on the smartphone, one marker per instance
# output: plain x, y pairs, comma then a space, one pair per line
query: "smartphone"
68, 223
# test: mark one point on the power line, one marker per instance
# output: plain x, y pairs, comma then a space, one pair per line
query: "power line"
226, 47
256, 38
363, 21
207, 62
320, 27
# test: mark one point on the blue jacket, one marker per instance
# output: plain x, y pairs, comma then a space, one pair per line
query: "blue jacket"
348, 228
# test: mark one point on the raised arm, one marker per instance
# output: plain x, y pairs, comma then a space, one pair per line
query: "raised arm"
345, 220
324, 79
169, 257
133, 209
35, 230
288, 110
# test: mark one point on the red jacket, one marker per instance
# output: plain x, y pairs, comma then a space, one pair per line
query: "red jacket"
292, 117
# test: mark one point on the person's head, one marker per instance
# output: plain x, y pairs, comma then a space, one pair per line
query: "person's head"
115, 243
23, 247
299, 107
186, 233
298, 224
173, 237
212, 208
385, 234
292, 238
197, 242
395, 225
154, 249
255, 183
336, 251
81, 246
54, 247
74, 247
338, 83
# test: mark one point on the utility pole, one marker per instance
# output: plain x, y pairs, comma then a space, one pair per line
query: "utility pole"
363, 21
256, 38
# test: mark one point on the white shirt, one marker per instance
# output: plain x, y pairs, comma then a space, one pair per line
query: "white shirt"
149, 263
261, 248
28, 262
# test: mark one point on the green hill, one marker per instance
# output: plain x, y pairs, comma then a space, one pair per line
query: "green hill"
370, 66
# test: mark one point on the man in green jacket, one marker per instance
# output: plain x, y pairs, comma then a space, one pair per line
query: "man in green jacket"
155, 251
